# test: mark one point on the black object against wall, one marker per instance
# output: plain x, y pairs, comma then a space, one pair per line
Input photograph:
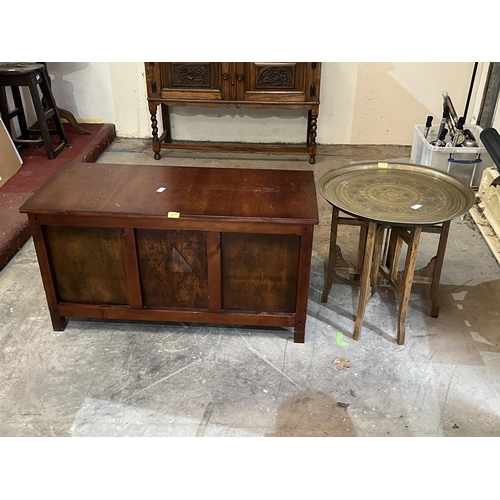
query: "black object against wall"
491, 141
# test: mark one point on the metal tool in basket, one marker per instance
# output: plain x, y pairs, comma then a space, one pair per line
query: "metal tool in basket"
459, 136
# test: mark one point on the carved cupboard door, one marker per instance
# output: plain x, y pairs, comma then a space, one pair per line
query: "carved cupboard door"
194, 80
272, 81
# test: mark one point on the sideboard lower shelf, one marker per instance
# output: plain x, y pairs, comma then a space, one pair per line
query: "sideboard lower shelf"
189, 244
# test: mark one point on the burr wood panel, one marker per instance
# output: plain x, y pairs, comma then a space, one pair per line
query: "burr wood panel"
259, 271
173, 268
88, 264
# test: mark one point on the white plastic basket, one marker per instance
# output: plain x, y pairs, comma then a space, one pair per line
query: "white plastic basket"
467, 164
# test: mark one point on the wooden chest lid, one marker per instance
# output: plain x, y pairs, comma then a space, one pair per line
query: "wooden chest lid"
193, 192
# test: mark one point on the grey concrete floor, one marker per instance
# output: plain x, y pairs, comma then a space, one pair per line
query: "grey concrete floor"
158, 379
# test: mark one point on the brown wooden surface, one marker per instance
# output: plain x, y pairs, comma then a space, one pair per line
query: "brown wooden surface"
438, 267
332, 254
193, 80
88, 264
214, 272
238, 146
304, 270
153, 314
238, 250
409, 268
259, 272
290, 85
58, 321
129, 248
285, 196
233, 83
336, 263
173, 268
165, 223
365, 288
383, 251
275, 82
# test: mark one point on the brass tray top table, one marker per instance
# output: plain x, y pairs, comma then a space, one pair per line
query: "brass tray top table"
404, 199
189, 244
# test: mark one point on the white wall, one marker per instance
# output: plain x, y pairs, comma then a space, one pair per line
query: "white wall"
102, 92
378, 103
361, 103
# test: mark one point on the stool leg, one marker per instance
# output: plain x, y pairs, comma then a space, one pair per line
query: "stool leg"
364, 290
42, 122
436, 275
47, 94
16, 94
4, 109
411, 260
331, 255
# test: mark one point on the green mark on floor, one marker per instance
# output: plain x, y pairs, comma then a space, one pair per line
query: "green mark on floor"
340, 341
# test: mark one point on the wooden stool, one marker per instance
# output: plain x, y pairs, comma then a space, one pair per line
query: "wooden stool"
378, 257
65, 114
33, 76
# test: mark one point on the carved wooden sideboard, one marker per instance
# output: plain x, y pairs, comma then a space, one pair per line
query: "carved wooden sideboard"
291, 85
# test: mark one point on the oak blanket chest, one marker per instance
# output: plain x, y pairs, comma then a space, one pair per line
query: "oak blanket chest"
190, 244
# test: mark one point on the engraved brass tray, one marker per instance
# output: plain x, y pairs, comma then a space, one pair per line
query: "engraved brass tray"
396, 193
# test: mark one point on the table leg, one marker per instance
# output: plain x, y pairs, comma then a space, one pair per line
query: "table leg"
58, 322
363, 231
394, 254
438, 266
411, 259
306, 241
364, 291
330, 272
154, 128
312, 125
377, 257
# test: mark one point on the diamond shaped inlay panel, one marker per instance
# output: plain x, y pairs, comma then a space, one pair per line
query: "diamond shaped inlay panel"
173, 268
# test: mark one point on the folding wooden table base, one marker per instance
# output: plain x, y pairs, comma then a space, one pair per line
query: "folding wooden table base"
379, 252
